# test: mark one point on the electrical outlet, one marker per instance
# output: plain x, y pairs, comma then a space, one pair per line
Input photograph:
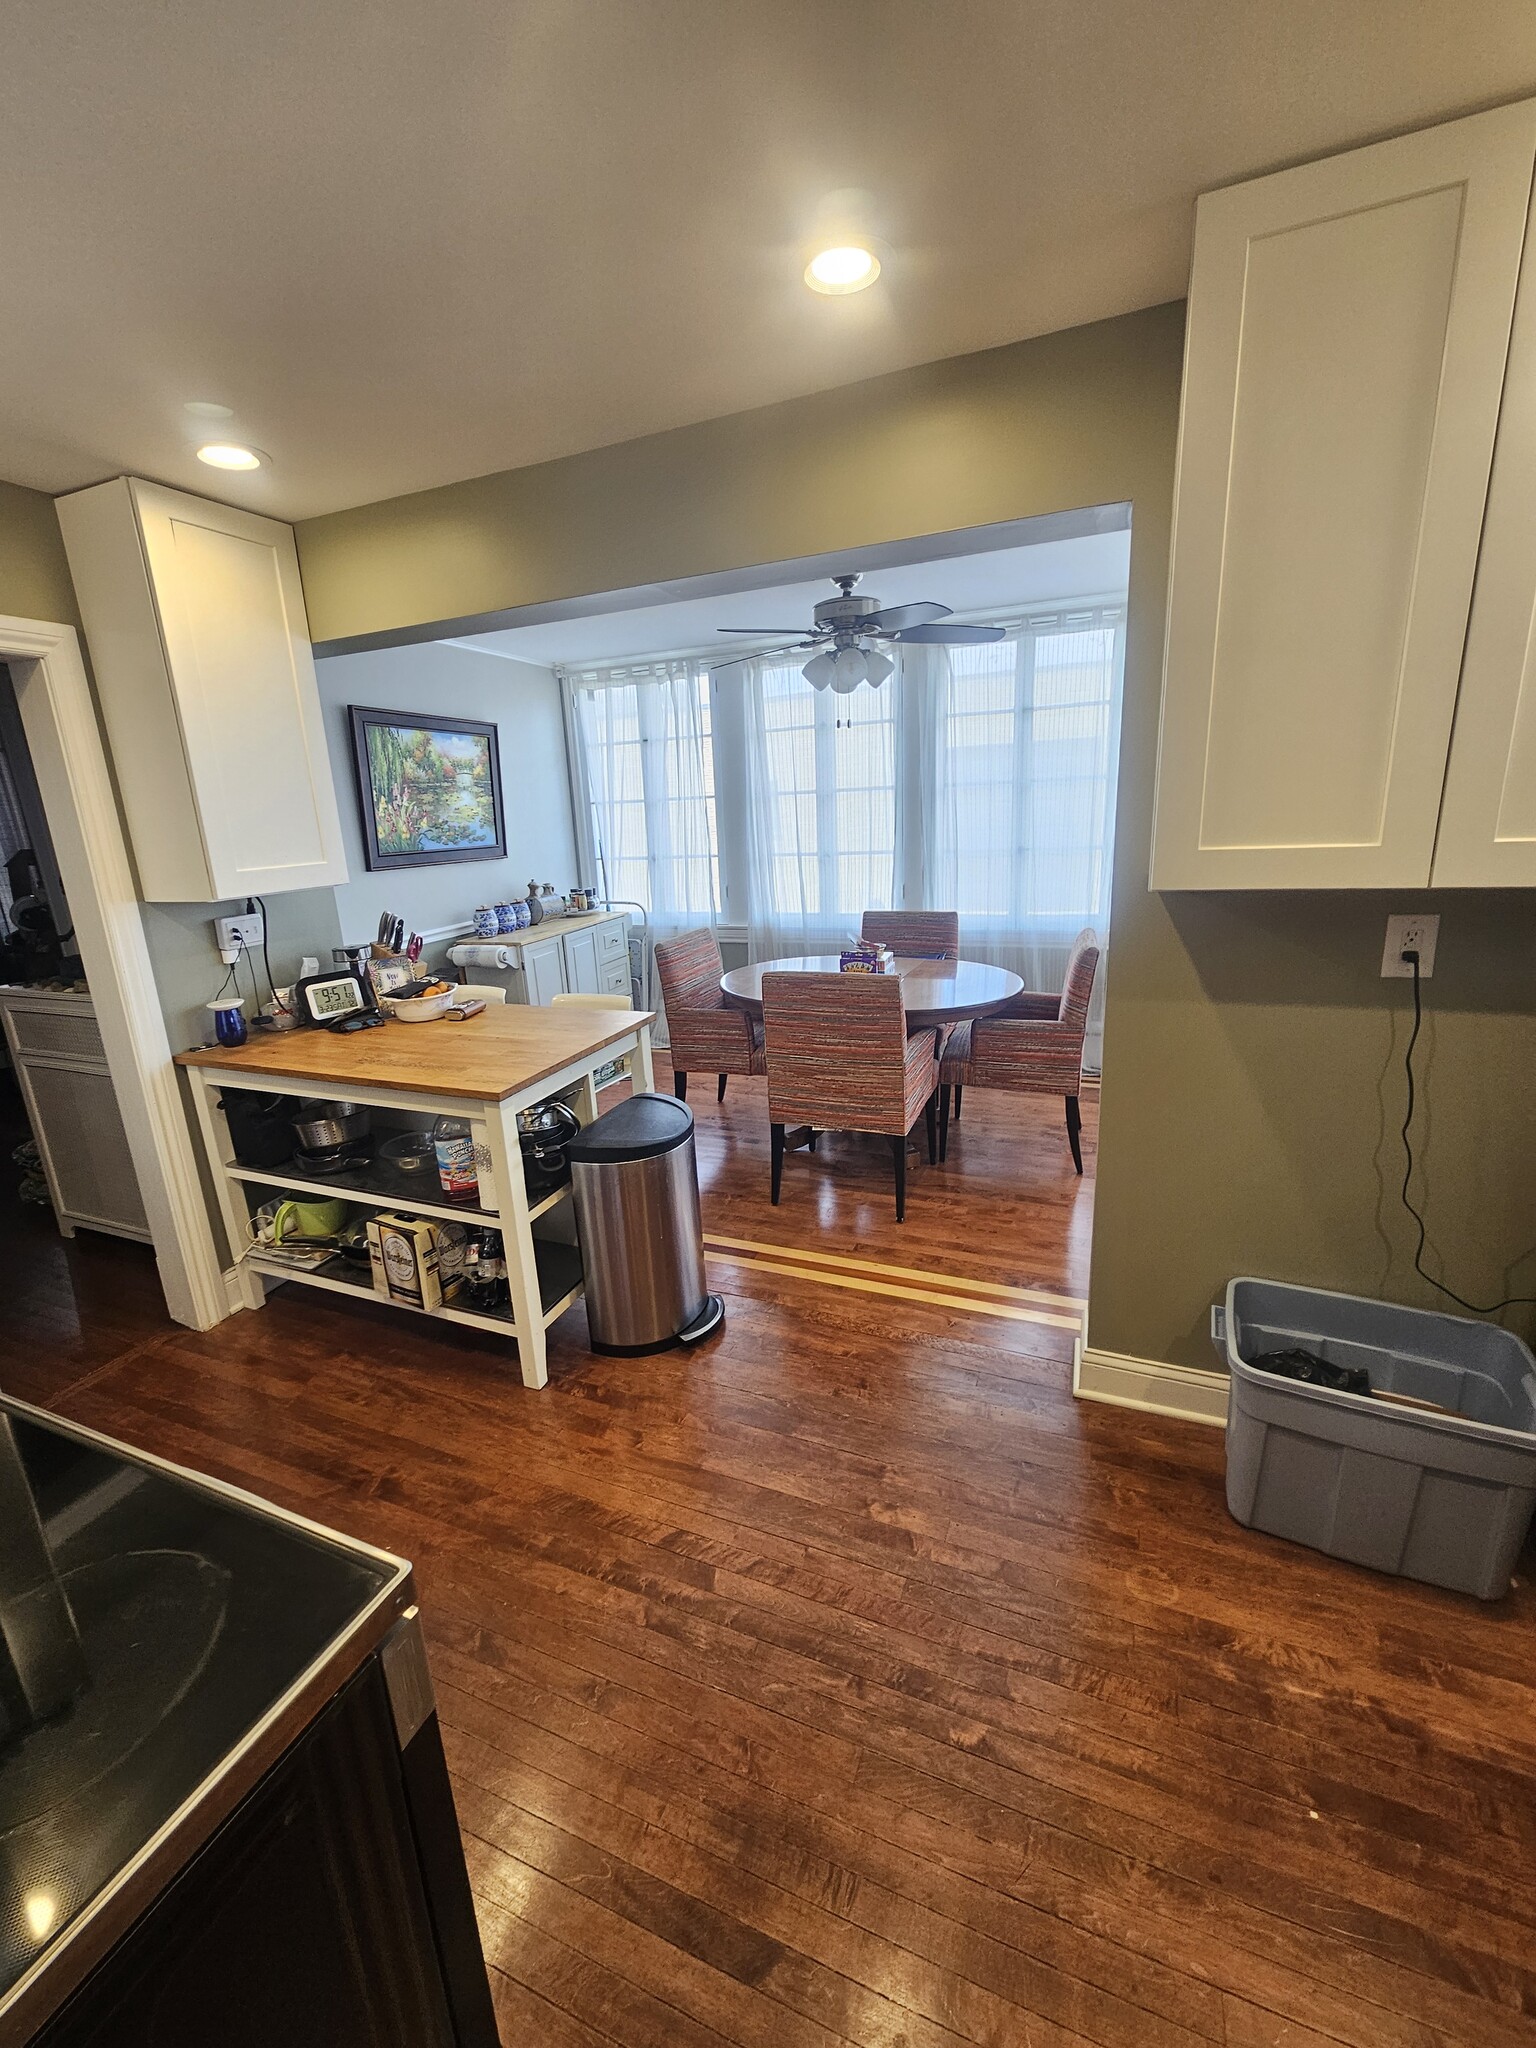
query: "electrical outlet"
246, 931
1410, 935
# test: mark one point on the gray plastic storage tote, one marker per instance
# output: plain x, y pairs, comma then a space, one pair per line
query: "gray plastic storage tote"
1442, 1498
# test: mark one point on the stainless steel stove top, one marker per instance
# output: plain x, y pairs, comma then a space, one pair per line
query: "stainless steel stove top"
162, 1638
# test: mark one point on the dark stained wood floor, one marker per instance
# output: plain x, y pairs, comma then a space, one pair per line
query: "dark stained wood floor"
843, 1681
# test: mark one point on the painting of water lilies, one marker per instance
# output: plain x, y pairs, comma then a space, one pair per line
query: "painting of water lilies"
430, 788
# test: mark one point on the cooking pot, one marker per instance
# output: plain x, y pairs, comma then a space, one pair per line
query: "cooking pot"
544, 1131
320, 1125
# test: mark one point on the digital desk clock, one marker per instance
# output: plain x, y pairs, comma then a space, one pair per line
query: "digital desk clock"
337, 1001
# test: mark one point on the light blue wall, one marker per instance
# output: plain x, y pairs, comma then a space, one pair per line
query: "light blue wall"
524, 704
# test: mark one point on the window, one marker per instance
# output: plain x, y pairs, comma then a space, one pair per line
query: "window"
1025, 776
647, 764
821, 796
977, 777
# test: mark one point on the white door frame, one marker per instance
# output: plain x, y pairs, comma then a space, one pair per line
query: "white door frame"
58, 716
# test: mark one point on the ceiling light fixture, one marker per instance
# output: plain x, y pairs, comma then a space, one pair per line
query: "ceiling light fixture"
846, 268
229, 455
208, 409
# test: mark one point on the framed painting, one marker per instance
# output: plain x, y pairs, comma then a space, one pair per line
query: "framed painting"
430, 788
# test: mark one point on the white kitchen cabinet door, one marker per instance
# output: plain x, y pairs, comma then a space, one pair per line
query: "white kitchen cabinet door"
544, 970
1487, 834
1348, 323
581, 968
194, 619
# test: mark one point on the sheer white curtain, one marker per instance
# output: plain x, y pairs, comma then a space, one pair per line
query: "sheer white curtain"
821, 809
1023, 737
645, 769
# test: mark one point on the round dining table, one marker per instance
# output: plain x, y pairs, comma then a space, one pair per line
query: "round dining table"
936, 991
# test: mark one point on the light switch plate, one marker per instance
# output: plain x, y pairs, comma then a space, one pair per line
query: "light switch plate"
1415, 934
248, 930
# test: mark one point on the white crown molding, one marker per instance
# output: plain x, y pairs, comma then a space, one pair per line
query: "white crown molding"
1181, 1391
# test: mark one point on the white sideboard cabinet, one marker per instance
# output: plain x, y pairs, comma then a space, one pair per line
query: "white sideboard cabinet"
195, 626
587, 954
1349, 323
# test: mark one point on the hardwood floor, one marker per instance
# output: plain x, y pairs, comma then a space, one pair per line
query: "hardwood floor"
844, 1681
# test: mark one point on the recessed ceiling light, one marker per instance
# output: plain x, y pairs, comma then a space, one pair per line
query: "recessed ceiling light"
847, 268
228, 455
208, 409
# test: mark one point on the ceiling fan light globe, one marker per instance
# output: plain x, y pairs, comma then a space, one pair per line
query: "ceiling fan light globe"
850, 667
877, 667
819, 670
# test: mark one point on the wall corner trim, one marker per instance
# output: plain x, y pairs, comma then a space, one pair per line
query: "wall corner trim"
1181, 1391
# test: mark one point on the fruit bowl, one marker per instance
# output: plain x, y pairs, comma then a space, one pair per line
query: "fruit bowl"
422, 1009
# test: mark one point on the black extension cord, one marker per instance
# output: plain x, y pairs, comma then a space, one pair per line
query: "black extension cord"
1476, 1308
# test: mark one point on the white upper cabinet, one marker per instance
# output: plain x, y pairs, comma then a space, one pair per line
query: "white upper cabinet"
1348, 327
1488, 818
194, 621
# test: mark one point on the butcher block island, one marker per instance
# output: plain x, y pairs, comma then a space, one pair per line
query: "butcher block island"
283, 1214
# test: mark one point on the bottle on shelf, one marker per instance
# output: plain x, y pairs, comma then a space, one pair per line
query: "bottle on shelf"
454, 1144
485, 1272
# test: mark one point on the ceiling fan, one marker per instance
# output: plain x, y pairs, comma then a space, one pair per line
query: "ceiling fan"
847, 633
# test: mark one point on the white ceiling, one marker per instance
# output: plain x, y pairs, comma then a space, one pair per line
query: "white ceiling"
1096, 565
410, 243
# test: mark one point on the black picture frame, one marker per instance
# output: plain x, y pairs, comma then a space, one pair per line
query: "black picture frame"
381, 832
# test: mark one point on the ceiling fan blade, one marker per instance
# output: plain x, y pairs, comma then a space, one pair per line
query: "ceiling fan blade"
896, 617
761, 654
950, 636
757, 629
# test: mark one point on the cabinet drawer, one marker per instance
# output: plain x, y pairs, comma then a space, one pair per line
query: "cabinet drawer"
56, 1034
615, 979
612, 941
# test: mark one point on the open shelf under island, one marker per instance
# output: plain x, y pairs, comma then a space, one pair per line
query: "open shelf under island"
485, 1071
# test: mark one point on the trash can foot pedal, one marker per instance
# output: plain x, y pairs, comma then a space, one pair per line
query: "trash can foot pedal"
706, 1322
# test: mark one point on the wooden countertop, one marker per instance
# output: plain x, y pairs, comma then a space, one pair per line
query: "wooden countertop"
507, 1047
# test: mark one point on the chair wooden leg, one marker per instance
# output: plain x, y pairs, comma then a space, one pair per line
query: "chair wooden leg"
680, 1084
720, 1093
776, 1136
1074, 1125
899, 1154
931, 1124
958, 1093
944, 1095
810, 1140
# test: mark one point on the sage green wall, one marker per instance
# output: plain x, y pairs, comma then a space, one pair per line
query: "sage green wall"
34, 572
1252, 1085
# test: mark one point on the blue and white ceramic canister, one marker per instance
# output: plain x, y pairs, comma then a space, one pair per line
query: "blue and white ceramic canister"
506, 918
485, 922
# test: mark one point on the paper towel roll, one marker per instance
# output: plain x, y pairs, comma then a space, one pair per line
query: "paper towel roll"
482, 956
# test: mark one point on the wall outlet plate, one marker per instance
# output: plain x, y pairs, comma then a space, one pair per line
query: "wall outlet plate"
1417, 934
246, 931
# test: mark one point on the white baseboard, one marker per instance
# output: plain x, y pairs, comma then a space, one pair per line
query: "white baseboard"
235, 1291
1178, 1390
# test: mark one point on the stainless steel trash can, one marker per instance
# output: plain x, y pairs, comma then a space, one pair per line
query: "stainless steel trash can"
635, 1184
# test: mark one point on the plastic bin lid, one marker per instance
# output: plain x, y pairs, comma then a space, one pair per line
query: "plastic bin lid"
638, 1128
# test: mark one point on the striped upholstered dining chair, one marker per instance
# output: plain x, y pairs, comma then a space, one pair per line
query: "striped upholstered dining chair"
1033, 1046
840, 1058
707, 1037
915, 934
